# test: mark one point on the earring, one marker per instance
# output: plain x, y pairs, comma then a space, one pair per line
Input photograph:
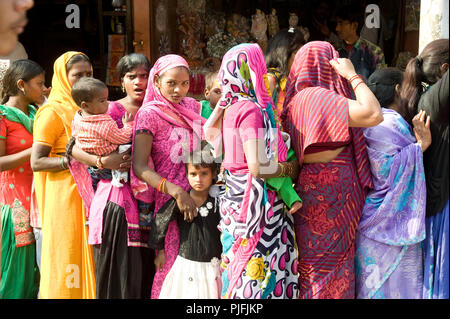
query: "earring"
123, 89
23, 91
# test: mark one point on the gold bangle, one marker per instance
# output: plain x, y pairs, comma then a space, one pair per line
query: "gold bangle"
282, 170
163, 186
99, 163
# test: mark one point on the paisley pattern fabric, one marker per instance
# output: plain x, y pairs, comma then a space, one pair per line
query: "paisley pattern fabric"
259, 251
326, 225
259, 258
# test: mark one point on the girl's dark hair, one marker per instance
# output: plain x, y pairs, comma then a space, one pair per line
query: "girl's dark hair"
281, 46
75, 59
382, 83
130, 62
202, 158
18, 70
424, 68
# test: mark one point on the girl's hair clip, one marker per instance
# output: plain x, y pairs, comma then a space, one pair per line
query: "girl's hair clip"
291, 30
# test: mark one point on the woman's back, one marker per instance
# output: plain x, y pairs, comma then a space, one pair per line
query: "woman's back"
435, 102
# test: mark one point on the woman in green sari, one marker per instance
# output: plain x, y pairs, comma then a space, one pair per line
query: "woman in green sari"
23, 85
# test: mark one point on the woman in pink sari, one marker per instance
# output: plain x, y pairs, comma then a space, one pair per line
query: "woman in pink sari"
324, 124
166, 128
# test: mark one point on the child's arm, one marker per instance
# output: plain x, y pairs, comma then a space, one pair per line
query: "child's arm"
118, 136
283, 187
160, 260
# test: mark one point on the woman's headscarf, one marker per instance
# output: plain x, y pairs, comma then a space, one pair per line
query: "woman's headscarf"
241, 77
312, 68
185, 114
62, 103
178, 114
60, 98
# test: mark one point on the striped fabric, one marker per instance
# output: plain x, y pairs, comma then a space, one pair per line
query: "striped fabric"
315, 109
99, 134
316, 112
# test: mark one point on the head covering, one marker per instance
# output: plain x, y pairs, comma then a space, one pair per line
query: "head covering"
60, 98
179, 114
62, 103
241, 77
311, 68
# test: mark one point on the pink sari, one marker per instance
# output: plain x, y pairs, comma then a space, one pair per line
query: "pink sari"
172, 126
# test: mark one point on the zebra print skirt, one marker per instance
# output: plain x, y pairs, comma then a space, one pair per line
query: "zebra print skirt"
259, 258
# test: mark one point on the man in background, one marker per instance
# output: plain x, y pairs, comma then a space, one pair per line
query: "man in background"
365, 56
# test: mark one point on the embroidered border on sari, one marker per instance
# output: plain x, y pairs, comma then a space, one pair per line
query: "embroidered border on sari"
21, 221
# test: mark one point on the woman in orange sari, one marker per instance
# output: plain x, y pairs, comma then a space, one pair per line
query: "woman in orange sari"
67, 265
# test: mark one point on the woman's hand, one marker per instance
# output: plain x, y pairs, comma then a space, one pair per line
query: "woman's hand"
186, 204
116, 161
422, 130
344, 67
295, 207
160, 260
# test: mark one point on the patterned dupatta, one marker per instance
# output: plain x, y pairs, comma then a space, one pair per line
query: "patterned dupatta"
320, 119
241, 78
179, 115
247, 207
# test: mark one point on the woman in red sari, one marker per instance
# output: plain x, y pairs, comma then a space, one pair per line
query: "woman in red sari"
324, 122
24, 85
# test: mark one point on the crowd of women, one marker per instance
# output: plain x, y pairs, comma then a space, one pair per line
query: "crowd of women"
368, 161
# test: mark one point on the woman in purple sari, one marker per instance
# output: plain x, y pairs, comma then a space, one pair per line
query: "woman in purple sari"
389, 262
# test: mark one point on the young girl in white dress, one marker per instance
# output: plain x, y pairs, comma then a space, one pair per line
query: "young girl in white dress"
195, 273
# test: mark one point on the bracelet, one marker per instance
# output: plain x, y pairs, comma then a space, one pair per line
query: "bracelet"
61, 162
289, 170
354, 77
357, 86
163, 186
99, 162
161, 183
282, 170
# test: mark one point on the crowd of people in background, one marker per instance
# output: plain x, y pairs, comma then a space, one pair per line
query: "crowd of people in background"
309, 171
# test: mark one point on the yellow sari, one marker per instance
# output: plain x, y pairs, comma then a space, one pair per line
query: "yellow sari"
67, 265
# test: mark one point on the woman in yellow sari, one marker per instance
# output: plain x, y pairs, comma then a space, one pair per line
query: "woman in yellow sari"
67, 265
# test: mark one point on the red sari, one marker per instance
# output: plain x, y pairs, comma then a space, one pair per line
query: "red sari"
316, 116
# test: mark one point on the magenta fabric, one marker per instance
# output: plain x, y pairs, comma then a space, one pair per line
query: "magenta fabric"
121, 196
178, 114
236, 86
174, 127
116, 111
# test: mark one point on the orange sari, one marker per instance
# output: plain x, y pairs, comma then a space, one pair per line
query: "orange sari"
67, 265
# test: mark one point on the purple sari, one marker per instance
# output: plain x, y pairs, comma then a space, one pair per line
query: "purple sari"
389, 262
